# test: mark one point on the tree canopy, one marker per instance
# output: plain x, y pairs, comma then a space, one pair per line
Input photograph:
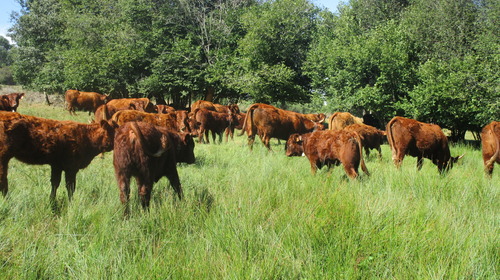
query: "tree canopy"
433, 60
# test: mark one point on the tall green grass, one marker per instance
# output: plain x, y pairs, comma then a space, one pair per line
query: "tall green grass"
255, 215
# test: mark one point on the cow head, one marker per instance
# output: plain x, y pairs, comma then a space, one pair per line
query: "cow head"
108, 135
294, 146
185, 148
449, 165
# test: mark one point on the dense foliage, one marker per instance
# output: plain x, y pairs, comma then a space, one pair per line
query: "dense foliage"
434, 60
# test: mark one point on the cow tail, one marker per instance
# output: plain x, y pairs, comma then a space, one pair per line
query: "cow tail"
248, 120
362, 160
115, 117
390, 137
495, 156
330, 120
163, 147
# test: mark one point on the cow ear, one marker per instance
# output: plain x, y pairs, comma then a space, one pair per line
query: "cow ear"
298, 138
455, 159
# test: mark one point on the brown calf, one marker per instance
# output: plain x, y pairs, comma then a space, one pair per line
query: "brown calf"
148, 152
215, 122
329, 147
270, 122
165, 120
10, 102
490, 140
339, 120
371, 138
85, 101
421, 140
65, 145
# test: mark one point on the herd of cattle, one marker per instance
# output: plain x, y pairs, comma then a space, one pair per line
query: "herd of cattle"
149, 140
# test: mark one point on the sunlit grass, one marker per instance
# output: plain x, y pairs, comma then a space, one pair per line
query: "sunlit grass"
255, 215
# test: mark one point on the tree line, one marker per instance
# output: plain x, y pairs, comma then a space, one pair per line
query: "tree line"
433, 60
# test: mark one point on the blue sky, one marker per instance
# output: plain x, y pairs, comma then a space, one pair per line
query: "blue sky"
8, 6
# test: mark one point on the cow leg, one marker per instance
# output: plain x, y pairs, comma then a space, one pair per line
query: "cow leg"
55, 180
314, 167
251, 139
144, 192
173, 178
70, 177
350, 170
266, 139
367, 152
379, 152
488, 167
207, 138
4, 183
124, 186
420, 162
397, 158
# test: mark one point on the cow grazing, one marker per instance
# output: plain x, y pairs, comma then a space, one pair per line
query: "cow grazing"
85, 101
329, 147
421, 140
270, 122
148, 152
371, 138
214, 122
10, 102
165, 120
339, 120
490, 140
106, 111
65, 145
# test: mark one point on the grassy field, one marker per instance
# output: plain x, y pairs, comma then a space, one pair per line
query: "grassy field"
255, 215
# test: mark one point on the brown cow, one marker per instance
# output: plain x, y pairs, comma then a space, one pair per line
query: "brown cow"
202, 104
490, 140
85, 101
215, 122
164, 120
270, 122
240, 117
329, 147
106, 111
339, 120
148, 152
371, 138
164, 109
65, 145
10, 102
421, 140
183, 121
316, 117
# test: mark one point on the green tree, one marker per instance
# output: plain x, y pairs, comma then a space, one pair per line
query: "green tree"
272, 52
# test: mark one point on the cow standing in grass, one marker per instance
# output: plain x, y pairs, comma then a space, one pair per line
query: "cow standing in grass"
421, 140
148, 152
490, 140
64, 145
329, 147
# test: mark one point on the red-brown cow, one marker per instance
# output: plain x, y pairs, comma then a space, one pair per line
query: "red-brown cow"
165, 120
339, 120
106, 111
490, 140
240, 118
164, 109
183, 121
85, 101
371, 138
10, 102
316, 117
270, 122
215, 122
421, 140
202, 104
148, 152
65, 145
329, 147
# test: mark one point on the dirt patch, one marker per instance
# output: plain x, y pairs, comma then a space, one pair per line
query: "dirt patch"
34, 97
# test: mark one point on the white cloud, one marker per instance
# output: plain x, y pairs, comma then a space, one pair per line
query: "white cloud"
3, 32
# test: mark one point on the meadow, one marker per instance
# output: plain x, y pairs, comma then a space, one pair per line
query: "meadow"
255, 215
